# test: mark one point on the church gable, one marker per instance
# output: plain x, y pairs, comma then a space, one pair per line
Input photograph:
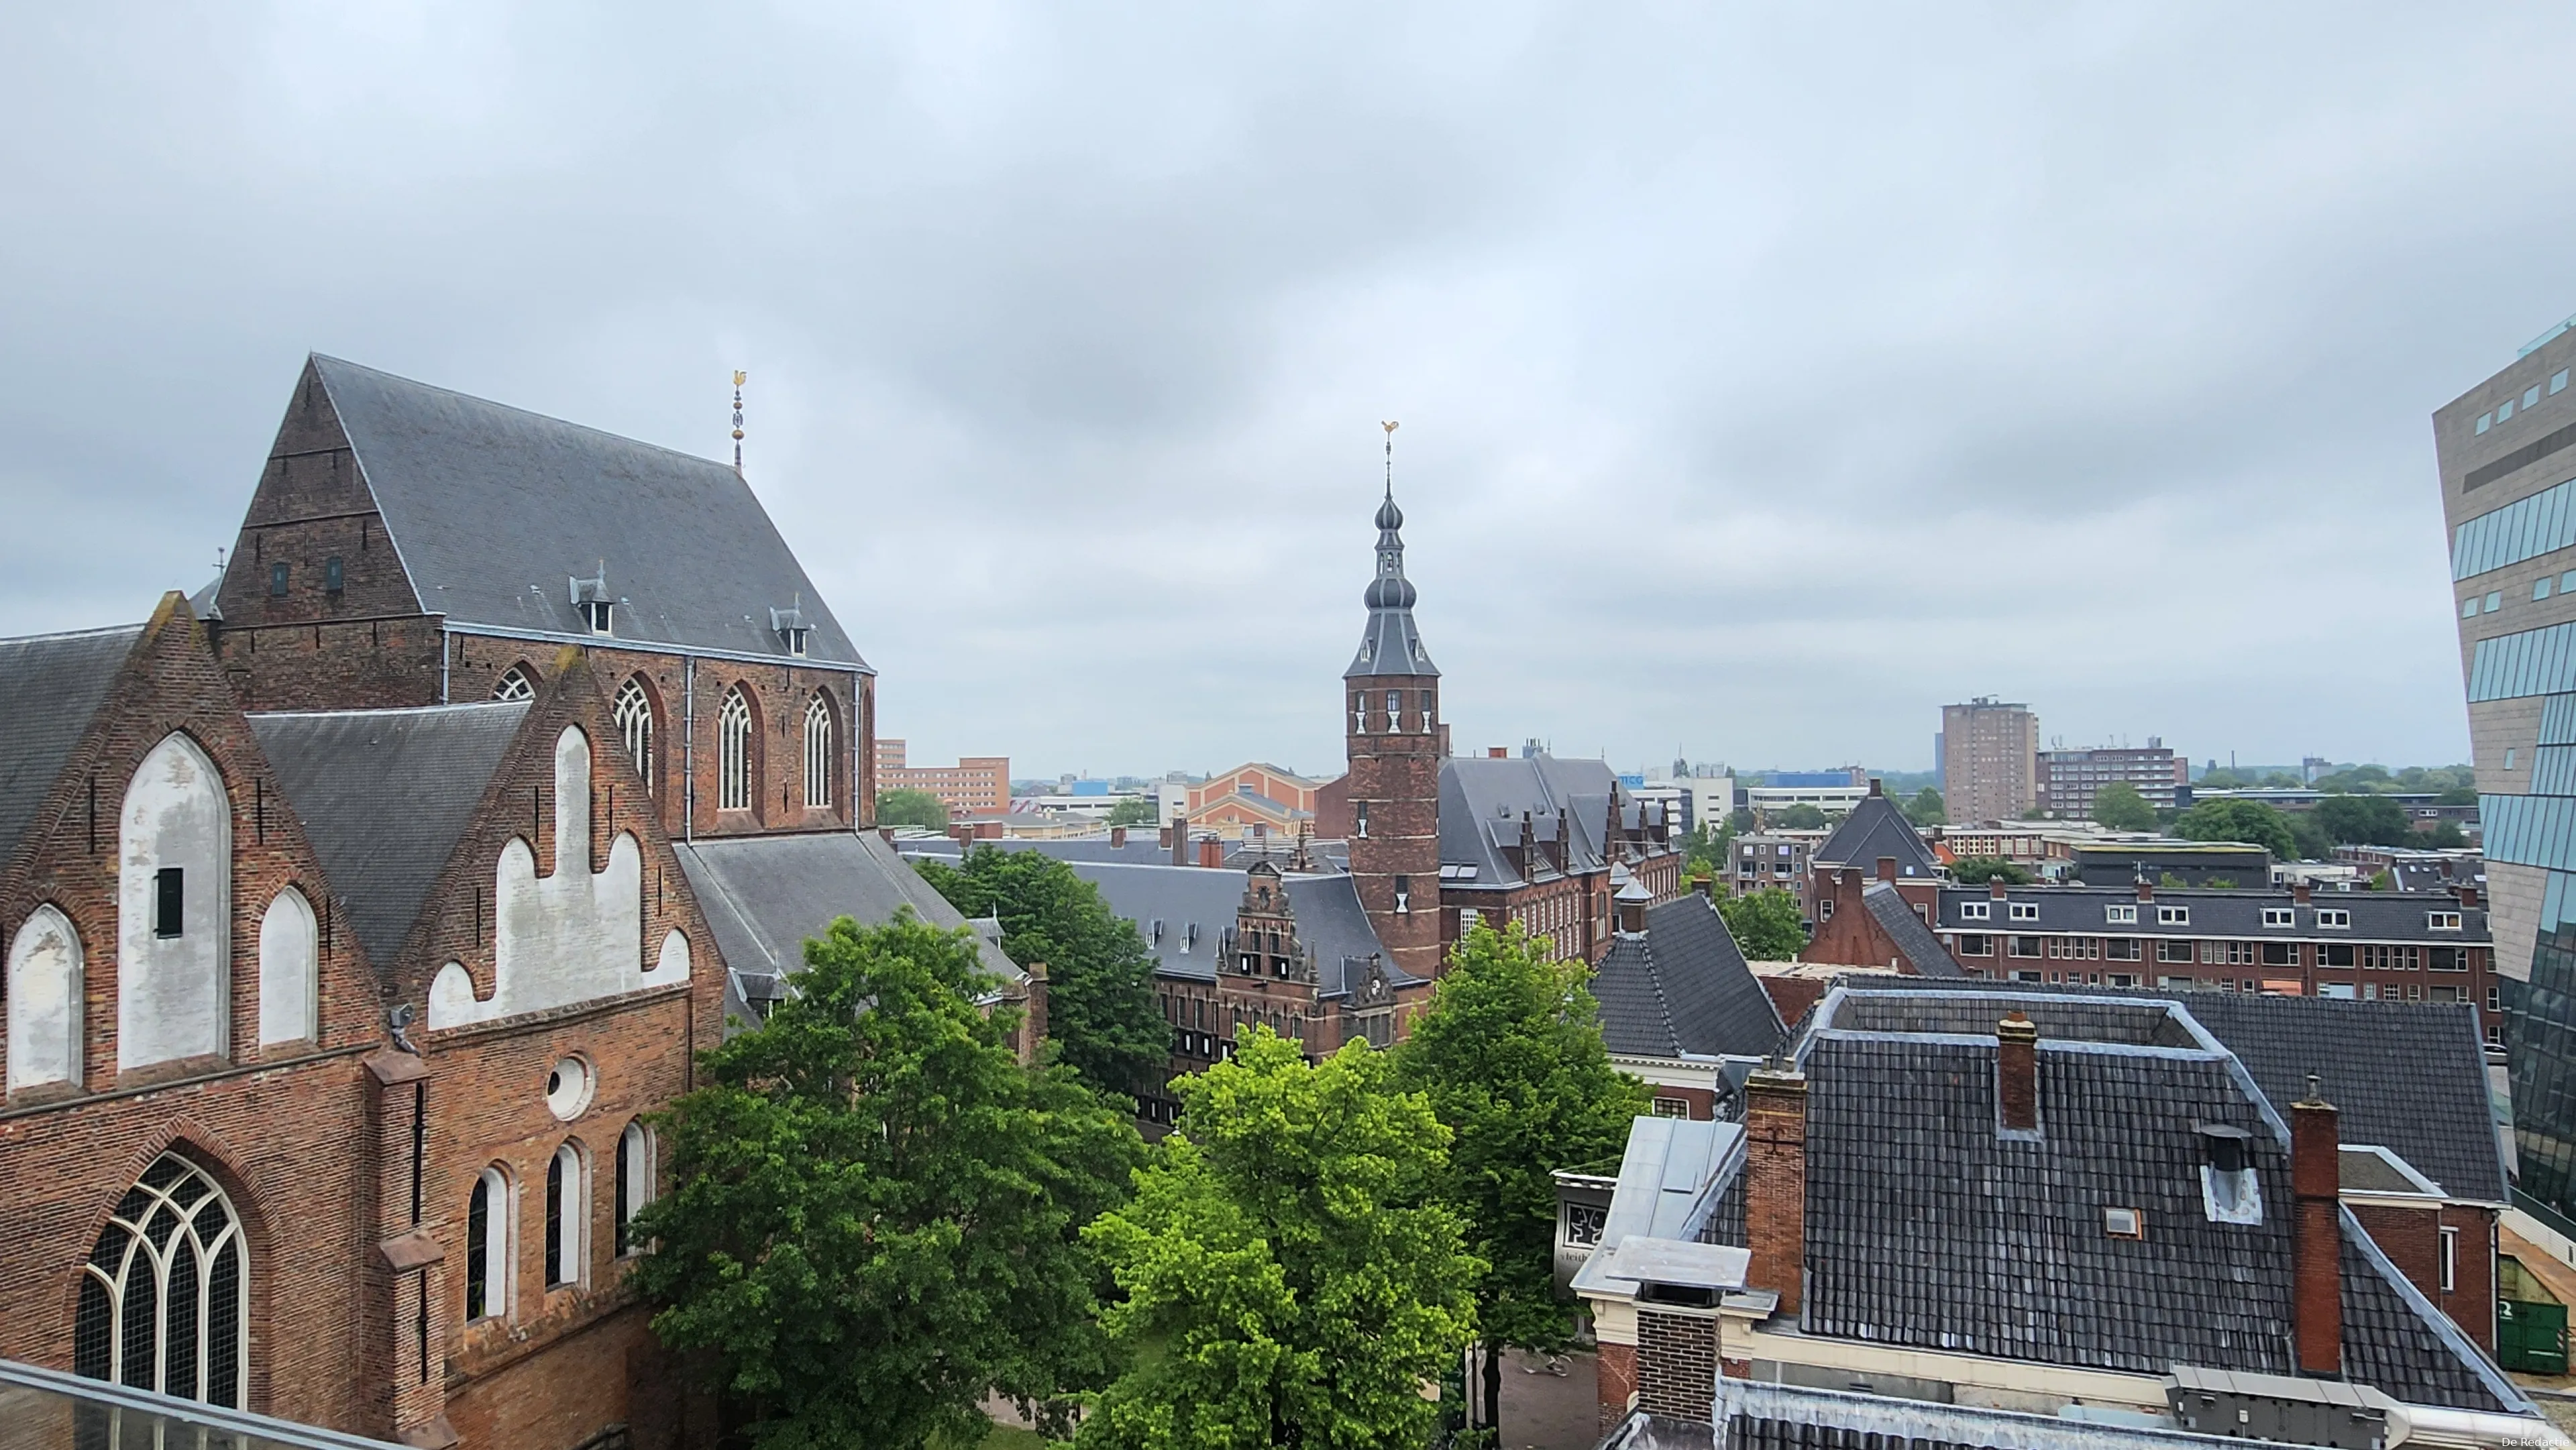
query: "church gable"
313, 544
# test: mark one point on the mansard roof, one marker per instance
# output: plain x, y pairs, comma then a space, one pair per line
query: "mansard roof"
494, 510
1681, 986
384, 796
51, 687
1876, 828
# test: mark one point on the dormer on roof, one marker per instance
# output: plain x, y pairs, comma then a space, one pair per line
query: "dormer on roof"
790, 627
592, 601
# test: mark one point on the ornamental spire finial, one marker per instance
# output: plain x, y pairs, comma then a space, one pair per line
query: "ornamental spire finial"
739, 377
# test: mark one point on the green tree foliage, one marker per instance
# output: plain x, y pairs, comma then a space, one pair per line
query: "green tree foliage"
2356, 819
2313, 844
1100, 977
1291, 1277
1510, 1057
1802, 817
2445, 836
2120, 807
1927, 808
876, 1211
2251, 823
1978, 870
911, 808
1132, 811
1765, 924
1705, 849
1739, 821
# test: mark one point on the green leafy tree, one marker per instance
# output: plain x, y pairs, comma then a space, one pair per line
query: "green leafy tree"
2120, 807
876, 1210
1290, 1275
1739, 821
1978, 870
1132, 811
2310, 837
2364, 819
1510, 1056
1100, 977
2457, 795
1927, 808
1765, 924
2445, 836
2221, 778
2251, 823
1802, 817
1705, 848
911, 808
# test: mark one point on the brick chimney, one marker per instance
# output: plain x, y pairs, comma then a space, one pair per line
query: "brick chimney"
1211, 852
2468, 892
1179, 838
1996, 887
1876, 786
1775, 1181
2146, 889
2017, 1074
1706, 885
1163, 838
1117, 838
2302, 893
1886, 868
2316, 1246
1498, 752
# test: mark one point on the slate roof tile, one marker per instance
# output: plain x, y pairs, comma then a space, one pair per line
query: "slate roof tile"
1682, 986
51, 686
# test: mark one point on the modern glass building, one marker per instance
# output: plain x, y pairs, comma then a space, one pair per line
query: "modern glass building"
2507, 451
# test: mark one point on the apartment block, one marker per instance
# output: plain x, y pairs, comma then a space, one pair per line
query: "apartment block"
1989, 760
2069, 779
975, 785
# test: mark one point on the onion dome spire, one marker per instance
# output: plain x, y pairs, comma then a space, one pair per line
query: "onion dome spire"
1390, 644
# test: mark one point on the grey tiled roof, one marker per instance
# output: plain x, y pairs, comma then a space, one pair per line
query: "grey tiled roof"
51, 686
1681, 986
1877, 828
1927, 1227
1895, 916
1482, 800
2383, 916
2409, 1077
691, 555
384, 796
1332, 923
1762, 1416
765, 896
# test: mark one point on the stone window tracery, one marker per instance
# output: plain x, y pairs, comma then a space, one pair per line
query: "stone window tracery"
633, 712
818, 751
166, 1291
733, 752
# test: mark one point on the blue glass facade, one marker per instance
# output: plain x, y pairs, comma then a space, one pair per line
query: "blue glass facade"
2540, 830
2525, 529
2532, 662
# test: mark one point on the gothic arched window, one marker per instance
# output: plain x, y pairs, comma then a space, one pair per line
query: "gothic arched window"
733, 752
567, 1214
818, 750
487, 1246
634, 1182
633, 712
514, 684
164, 1295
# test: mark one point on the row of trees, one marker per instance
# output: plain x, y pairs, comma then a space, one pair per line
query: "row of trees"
878, 1215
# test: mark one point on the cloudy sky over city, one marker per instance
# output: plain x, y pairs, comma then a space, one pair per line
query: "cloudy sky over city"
1768, 377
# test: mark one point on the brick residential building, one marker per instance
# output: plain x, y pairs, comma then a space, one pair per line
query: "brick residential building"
975, 785
2069, 779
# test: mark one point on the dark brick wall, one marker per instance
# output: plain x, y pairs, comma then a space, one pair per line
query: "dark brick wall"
1677, 1364
1395, 776
2411, 1237
1615, 1375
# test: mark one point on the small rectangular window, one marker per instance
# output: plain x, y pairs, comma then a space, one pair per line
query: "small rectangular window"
276, 580
332, 575
2469, 607
2508, 759
2504, 410
2280, 954
2280, 916
2126, 913
2531, 396
2334, 916
2485, 421
2567, 581
2025, 911
169, 900
1976, 911
2450, 1259
2558, 382
2540, 588
1975, 944
2441, 921
2173, 916
2495, 600
2124, 1223
1672, 1108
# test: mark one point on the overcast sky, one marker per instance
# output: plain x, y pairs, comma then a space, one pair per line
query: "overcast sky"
1768, 377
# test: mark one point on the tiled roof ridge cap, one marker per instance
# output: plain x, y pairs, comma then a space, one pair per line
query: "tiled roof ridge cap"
94, 632
409, 382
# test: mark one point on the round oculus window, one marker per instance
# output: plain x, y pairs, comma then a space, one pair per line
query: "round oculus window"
568, 1088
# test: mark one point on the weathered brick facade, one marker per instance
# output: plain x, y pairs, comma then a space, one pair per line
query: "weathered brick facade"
1394, 789
1677, 1364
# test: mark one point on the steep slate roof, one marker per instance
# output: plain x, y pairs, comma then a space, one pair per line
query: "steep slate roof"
1482, 800
1759, 1416
1331, 921
2410, 1077
1681, 986
2383, 916
1927, 1227
1876, 828
764, 896
1896, 917
691, 556
384, 796
51, 686
1390, 644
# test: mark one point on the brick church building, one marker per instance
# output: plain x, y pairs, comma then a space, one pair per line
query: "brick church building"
354, 921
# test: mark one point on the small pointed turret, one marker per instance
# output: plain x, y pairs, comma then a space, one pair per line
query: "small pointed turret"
1390, 644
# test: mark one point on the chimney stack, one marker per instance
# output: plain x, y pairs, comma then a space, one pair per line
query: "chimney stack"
1775, 1181
2316, 1246
1996, 887
1117, 838
1498, 752
2017, 1074
1707, 885
2301, 893
2146, 889
1632, 906
1179, 836
2468, 893
1886, 868
1211, 852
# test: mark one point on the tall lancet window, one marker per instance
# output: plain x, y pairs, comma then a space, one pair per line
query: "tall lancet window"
818, 751
733, 752
633, 711
166, 1292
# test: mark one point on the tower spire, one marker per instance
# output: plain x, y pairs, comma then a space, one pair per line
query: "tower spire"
739, 376
1390, 644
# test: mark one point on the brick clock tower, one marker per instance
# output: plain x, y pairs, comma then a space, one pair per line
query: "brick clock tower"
1391, 711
